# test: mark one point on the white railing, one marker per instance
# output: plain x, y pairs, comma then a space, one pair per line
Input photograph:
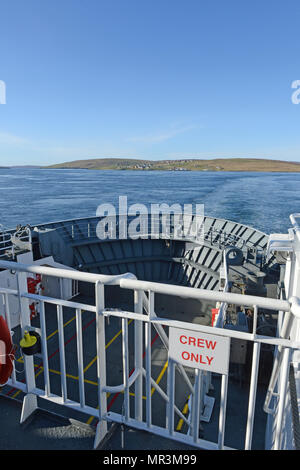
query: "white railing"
11, 242
155, 226
293, 219
5, 242
144, 296
221, 317
222, 238
288, 328
182, 227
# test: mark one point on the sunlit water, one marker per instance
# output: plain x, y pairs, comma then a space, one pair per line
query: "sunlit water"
261, 200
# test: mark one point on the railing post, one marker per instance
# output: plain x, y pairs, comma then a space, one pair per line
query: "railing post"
125, 354
44, 349
196, 404
80, 356
222, 416
148, 351
148, 373
252, 394
284, 333
171, 396
101, 430
138, 355
62, 358
30, 400
283, 382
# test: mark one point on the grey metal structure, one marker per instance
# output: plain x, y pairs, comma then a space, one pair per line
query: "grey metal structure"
166, 259
155, 284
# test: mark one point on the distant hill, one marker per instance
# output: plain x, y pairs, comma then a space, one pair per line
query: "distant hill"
20, 166
218, 164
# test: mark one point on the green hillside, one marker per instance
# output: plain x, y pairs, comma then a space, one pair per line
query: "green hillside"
218, 164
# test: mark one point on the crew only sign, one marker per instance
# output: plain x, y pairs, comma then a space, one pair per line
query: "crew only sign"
199, 350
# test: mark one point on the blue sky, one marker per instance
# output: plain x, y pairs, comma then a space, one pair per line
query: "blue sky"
148, 79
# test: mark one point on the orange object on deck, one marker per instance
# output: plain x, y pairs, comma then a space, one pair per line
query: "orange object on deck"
214, 313
32, 286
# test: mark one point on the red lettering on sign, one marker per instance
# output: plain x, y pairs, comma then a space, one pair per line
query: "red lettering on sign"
210, 344
183, 342
194, 357
200, 343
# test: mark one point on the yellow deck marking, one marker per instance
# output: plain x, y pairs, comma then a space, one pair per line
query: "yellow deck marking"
106, 346
19, 391
20, 359
160, 377
184, 412
89, 421
65, 324
41, 369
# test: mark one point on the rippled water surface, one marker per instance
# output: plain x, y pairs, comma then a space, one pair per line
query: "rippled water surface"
261, 200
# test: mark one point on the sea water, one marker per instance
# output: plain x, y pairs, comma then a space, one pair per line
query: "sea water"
261, 200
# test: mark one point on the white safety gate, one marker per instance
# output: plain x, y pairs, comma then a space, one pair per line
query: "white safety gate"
145, 319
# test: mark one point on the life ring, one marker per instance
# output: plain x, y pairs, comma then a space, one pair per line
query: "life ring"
7, 352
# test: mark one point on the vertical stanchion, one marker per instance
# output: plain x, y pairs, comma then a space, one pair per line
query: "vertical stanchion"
80, 356
138, 355
222, 416
148, 373
30, 400
62, 359
196, 405
151, 314
252, 395
44, 349
125, 367
282, 385
171, 396
255, 311
101, 430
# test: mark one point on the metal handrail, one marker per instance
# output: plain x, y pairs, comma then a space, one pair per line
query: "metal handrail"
129, 281
71, 228
203, 294
223, 307
284, 334
89, 227
293, 218
227, 237
17, 239
66, 273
